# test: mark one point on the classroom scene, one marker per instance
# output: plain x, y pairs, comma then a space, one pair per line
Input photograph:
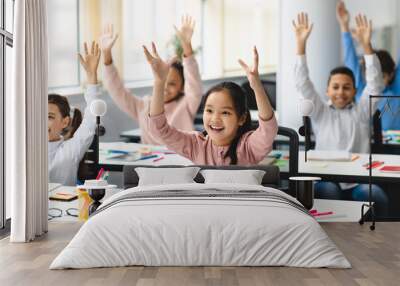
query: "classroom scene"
201, 133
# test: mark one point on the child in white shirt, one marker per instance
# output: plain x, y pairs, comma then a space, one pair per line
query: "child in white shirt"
341, 124
69, 135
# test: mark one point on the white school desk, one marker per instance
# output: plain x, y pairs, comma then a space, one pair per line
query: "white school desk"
352, 172
343, 211
116, 164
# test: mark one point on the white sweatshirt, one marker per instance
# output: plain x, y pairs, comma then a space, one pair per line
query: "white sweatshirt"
64, 156
341, 129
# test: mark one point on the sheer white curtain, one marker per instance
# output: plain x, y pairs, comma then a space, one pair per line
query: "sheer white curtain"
26, 123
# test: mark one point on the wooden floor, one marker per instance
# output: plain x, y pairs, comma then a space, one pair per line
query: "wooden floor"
374, 255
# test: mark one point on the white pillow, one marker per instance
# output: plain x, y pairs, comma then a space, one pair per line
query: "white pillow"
248, 177
163, 176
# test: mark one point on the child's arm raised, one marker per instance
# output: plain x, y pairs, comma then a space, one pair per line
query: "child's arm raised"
302, 31
181, 142
125, 100
80, 142
160, 71
193, 86
185, 34
373, 71
265, 111
363, 33
350, 55
303, 83
107, 41
90, 62
343, 17
255, 145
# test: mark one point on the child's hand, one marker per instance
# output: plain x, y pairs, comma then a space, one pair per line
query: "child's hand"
302, 31
185, 34
91, 62
159, 67
252, 72
107, 41
265, 111
363, 33
342, 16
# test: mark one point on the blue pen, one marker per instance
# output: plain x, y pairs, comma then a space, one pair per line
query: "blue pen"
147, 157
118, 152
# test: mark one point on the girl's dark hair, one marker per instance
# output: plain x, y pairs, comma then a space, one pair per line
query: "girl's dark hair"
63, 106
179, 68
387, 63
239, 99
343, 70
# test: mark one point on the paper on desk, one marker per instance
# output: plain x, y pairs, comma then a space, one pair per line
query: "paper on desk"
316, 164
322, 155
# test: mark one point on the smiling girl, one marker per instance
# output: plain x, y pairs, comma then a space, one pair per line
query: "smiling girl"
228, 138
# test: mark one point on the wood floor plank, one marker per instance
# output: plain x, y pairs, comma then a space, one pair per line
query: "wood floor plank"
374, 255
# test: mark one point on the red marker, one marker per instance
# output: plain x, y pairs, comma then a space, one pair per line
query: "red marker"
158, 159
100, 174
321, 214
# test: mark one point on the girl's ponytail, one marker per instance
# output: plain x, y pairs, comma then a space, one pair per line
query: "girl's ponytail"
75, 123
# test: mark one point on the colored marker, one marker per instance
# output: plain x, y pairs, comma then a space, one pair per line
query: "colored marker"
323, 213
147, 157
158, 159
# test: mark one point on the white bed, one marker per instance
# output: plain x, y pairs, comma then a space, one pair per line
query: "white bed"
224, 225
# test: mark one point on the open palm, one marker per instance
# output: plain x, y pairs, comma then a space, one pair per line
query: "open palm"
302, 28
159, 67
185, 32
108, 39
363, 30
342, 14
90, 61
252, 72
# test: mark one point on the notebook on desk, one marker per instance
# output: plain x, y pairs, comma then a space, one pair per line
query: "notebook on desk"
341, 156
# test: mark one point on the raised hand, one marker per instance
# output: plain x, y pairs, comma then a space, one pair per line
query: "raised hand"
302, 29
342, 16
107, 41
185, 34
159, 67
252, 72
90, 61
363, 32
265, 110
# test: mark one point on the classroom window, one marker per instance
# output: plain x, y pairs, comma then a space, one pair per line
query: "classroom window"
249, 23
153, 21
63, 43
225, 30
137, 22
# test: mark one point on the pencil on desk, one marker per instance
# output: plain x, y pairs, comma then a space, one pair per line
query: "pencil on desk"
158, 159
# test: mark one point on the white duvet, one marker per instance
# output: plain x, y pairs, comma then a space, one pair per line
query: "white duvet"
183, 231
